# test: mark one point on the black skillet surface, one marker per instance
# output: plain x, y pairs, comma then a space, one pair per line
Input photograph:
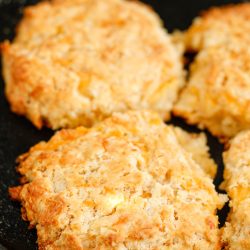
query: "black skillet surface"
17, 134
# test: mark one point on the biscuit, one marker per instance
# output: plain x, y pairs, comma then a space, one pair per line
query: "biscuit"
237, 184
75, 62
217, 94
219, 26
125, 183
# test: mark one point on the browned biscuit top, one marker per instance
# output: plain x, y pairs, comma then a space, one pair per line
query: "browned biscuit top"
217, 95
220, 25
126, 183
76, 62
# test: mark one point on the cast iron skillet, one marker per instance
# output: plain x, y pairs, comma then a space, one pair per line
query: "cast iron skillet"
17, 134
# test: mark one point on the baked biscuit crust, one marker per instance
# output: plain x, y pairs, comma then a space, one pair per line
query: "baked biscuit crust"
217, 94
126, 183
75, 62
219, 26
237, 184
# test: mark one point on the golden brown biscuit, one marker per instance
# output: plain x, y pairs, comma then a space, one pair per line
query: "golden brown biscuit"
75, 62
237, 184
217, 95
219, 26
126, 183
